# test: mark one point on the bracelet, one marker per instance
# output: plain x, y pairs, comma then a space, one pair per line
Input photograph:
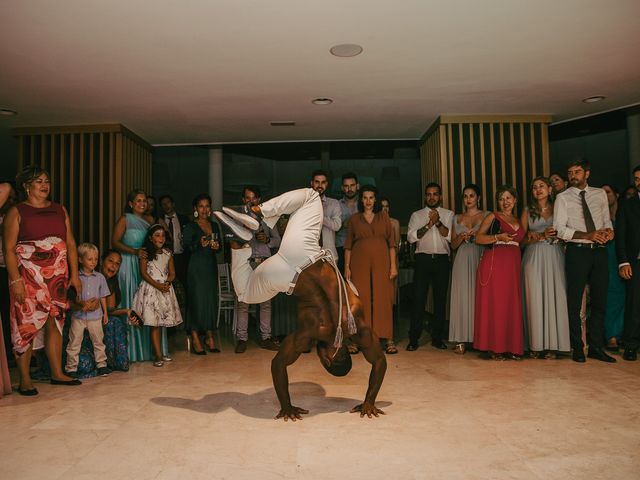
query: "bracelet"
439, 224
17, 280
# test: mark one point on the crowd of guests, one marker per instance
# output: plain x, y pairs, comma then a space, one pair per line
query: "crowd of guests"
575, 281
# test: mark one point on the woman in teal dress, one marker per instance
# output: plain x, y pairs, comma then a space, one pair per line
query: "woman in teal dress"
202, 238
128, 238
614, 315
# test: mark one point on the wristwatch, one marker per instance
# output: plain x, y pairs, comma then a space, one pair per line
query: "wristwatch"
439, 224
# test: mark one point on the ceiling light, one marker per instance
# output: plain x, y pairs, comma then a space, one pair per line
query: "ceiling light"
594, 99
346, 50
322, 101
287, 123
7, 112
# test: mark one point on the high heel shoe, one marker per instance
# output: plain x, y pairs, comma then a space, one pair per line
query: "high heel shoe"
213, 349
201, 352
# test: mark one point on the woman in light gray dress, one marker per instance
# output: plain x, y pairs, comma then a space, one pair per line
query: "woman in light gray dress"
463, 276
546, 319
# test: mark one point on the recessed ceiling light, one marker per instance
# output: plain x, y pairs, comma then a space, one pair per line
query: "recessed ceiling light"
346, 50
594, 99
286, 123
7, 112
322, 101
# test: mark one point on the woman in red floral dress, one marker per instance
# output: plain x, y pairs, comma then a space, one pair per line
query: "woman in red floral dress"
40, 251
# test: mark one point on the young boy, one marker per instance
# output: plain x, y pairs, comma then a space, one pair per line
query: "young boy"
88, 310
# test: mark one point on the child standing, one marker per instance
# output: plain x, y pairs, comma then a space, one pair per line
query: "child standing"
155, 299
89, 309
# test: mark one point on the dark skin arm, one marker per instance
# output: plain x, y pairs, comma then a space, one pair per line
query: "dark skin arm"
287, 355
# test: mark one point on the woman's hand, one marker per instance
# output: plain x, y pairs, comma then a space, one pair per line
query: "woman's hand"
204, 241
393, 272
18, 291
504, 237
74, 281
215, 245
347, 272
141, 253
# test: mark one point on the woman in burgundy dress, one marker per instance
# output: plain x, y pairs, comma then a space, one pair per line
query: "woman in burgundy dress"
498, 308
40, 251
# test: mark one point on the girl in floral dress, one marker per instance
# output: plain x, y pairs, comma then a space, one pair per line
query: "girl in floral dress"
155, 301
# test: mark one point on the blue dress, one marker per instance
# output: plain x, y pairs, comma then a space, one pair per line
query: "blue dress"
614, 315
129, 278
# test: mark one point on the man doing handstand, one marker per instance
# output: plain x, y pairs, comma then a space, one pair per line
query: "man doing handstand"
327, 307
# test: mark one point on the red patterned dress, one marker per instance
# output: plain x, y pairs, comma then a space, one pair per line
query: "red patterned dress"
41, 252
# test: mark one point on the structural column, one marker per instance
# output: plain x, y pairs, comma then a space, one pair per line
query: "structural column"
215, 177
633, 138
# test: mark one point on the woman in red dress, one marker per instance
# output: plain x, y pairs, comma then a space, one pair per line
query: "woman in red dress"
40, 251
498, 308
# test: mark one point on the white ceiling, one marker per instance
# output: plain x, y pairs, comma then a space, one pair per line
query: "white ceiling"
209, 71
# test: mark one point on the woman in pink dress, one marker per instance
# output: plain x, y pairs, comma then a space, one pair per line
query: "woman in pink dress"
498, 308
5, 381
40, 252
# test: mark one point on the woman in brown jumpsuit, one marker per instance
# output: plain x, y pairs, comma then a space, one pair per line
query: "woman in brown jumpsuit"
370, 263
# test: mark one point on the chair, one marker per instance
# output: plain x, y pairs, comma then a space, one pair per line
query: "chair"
227, 301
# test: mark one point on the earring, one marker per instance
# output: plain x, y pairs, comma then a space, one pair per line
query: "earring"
195, 214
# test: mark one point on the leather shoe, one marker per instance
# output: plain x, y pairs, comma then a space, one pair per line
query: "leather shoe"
28, 393
241, 346
630, 354
438, 344
412, 347
269, 344
600, 354
578, 355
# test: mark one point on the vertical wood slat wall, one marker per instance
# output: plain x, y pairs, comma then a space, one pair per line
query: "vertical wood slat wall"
488, 150
92, 169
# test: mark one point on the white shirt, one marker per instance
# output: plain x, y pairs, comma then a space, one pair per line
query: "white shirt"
176, 234
331, 223
431, 241
568, 216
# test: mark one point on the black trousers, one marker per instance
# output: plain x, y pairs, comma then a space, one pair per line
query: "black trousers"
430, 271
587, 266
632, 308
180, 263
340, 251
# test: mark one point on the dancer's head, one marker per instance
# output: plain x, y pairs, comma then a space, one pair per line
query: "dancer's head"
337, 363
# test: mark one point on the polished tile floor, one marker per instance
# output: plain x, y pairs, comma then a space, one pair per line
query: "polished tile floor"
447, 417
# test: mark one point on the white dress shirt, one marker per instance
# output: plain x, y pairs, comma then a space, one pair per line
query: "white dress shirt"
432, 241
568, 216
176, 234
331, 223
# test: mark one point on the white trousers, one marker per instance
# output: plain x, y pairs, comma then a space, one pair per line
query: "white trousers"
299, 243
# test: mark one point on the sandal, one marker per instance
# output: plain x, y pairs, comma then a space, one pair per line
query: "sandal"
460, 349
498, 356
158, 363
391, 348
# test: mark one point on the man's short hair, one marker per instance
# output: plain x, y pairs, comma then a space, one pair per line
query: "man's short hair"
341, 363
580, 162
252, 188
85, 247
166, 195
636, 169
318, 173
348, 175
433, 185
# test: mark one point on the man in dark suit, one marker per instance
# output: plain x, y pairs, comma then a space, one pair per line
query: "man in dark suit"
628, 251
175, 224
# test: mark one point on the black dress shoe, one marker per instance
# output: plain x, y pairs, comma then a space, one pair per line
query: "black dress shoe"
630, 354
600, 354
438, 344
241, 346
28, 393
412, 347
73, 382
578, 356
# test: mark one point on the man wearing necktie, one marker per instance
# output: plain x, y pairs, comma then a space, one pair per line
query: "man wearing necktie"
581, 218
175, 224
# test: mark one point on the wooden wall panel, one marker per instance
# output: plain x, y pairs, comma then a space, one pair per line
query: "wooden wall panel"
92, 169
488, 150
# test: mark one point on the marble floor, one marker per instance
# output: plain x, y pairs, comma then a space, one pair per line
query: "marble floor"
447, 417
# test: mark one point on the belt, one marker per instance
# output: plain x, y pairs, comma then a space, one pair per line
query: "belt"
588, 246
434, 255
